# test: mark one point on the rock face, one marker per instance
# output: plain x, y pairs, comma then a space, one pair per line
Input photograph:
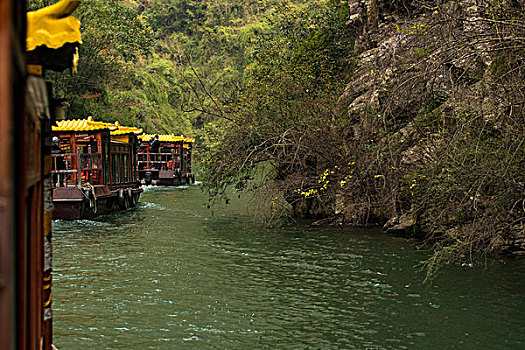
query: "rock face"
417, 68
310, 208
514, 245
432, 103
402, 225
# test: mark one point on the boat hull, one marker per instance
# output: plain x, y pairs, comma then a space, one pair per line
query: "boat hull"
165, 178
73, 204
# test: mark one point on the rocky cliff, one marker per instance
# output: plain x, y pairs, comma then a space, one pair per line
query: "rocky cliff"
436, 113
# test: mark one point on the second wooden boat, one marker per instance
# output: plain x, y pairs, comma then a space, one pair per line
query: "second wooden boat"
94, 169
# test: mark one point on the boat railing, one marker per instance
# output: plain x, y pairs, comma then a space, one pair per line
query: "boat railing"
162, 161
76, 169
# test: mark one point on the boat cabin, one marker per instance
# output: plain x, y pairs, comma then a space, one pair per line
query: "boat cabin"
166, 163
187, 156
124, 145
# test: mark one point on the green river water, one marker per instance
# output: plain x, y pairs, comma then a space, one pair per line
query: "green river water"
172, 274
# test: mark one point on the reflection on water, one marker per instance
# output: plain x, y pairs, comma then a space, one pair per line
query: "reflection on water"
172, 274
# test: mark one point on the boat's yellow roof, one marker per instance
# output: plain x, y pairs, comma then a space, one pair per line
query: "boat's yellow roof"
162, 138
52, 26
89, 124
124, 130
83, 125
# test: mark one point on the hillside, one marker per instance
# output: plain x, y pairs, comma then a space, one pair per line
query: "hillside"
164, 65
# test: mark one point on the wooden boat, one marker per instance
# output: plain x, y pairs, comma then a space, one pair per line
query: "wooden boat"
170, 166
94, 171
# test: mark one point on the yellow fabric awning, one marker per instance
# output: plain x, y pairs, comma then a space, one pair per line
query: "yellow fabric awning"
83, 125
52, 26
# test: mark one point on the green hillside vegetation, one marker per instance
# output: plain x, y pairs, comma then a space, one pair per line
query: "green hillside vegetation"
166, 65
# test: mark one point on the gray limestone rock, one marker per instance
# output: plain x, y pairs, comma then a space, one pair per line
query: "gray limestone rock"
400, 225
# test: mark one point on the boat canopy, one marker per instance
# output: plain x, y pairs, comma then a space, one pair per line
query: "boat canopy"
124, 130
52, 26
53, 36
162, 138
83, 125
166, 138
89, 124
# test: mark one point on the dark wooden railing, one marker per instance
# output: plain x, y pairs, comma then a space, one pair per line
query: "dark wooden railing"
75, 169
162, 161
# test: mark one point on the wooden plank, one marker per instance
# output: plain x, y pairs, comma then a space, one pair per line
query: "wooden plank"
6, 330
6, 258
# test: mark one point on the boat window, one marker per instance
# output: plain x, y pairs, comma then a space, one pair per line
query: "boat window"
126, 168
121, 168
115, 167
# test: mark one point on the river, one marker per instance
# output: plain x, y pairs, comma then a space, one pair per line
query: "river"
173, 274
